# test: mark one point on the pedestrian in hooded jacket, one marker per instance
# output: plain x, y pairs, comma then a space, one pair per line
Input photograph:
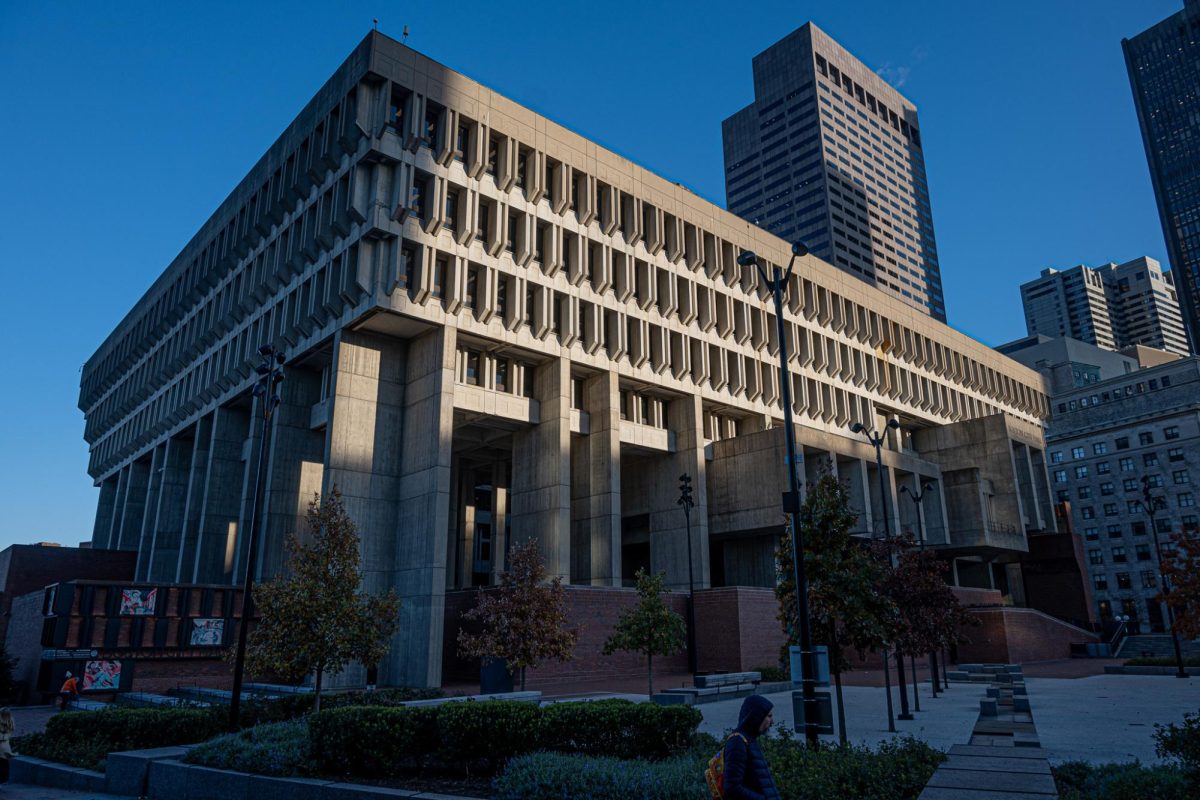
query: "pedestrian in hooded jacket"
747, 776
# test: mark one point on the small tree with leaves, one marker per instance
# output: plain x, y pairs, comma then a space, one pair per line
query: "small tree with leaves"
524, 622
8, 687
930, 617
845, 607
1182, 569
313, 618
650, 627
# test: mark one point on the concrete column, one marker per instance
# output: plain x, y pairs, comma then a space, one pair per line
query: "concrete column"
906, 509
218, 529
668, 532
363, 447
133, 504
857, 480
166, 534
295, 468
149, 516
596, 487
500, 503
249, 458
1023, 472
102, 531
424, 518
193, 507
540, 504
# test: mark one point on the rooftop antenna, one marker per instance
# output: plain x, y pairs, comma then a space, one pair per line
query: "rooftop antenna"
375, 24
404, 36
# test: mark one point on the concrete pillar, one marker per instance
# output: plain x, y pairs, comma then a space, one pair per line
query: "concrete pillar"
424, 512
596, 486
201, 444
855, 477
102, 530
294, 470
500, 503
1023, 472
246, 506
540, 505
166, 534
135, 483
668, 532
149, 516
363, 447
906, 509
218, 529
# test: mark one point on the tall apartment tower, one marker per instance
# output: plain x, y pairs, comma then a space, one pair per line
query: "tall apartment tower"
1164, 70
830, 154
1112, 306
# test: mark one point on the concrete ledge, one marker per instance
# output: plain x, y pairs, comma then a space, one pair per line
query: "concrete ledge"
263, 787
987, 708
126, 773
1149, 670
36, 771
23, 769
357, 791
531, 697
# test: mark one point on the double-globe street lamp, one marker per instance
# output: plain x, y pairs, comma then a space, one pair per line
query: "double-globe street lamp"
1152, 504
777, 283
877, 439
266, 390
685, 500
918, 499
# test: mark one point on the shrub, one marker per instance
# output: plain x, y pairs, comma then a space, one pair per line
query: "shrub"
558, 776
776, 674
1079, 780
279, 709
278, 748
371, 741
1180, 744
85, 738
897, 770
487, 733
619, 728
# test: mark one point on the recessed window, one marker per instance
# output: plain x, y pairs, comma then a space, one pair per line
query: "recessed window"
1123, 580
1122, 442
1100, 582
1077, 452
1145, 438
1099, 448
1171, 432
1118, 555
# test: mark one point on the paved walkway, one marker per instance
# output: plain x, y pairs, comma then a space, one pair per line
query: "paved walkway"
942, 722
1108, 718
21, 791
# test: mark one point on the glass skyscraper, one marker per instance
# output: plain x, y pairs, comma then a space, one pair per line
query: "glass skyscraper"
830, 153
1164, 70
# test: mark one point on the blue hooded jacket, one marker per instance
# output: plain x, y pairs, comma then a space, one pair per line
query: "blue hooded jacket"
747, 776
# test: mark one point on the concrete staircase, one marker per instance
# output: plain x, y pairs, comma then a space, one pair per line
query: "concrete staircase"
1156, 645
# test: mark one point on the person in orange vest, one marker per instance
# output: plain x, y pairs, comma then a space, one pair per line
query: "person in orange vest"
69, 691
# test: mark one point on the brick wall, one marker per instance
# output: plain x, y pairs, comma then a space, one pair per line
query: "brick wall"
594, 610
737, 629
26, 568
1019, 636
24, 637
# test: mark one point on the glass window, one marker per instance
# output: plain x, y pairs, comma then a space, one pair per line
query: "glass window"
1103, 468
1087, 512
1133, 506
1107, 488
1099, 448
1123, 580
1139, 528
502, 375
1100, 581
1118, 555
1175, 454
1150, 459
1186, 500
1122, 442
1091, 534
1145, 438
472, 374
1149, 579
1077, 452
1063, 495
1060, 476
1143, 552
1110, 509
1127, 465
1153, 481
1096, 557
1130, 484
1171, 432
1114, 531
1085, 492
1081, 471
1056, 457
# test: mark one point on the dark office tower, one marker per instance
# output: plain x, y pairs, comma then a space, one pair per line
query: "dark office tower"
1164, 70
829, 153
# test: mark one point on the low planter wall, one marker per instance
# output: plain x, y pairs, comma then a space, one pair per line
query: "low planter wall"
26, 769
1114, 670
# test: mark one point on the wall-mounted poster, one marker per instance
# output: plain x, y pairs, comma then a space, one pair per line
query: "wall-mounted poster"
102, 676
138, 602
208, 632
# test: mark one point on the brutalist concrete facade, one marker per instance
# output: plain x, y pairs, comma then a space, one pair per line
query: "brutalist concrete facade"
1102, 440
497, 331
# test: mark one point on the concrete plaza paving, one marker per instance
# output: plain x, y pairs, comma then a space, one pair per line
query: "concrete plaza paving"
1108, 718
941, 722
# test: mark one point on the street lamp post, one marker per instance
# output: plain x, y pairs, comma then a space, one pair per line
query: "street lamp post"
877, 439
270, 375
777, 283
1153, 503
918, 499
685, 500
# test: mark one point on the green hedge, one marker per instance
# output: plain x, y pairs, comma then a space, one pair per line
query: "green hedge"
472, 735
274, 748
85, 738
1079, 780
895, 771
279, 709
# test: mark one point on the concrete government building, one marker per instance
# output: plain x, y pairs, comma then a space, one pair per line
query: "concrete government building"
497, 331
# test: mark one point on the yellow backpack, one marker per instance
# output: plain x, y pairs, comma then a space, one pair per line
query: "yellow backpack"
714, 776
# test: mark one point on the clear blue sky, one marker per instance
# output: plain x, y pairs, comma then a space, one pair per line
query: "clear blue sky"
123, 125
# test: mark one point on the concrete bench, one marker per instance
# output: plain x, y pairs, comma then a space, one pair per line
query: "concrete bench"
728, 679
988, 707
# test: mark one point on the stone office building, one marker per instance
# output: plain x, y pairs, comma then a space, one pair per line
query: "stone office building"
1103, 439
497, 330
